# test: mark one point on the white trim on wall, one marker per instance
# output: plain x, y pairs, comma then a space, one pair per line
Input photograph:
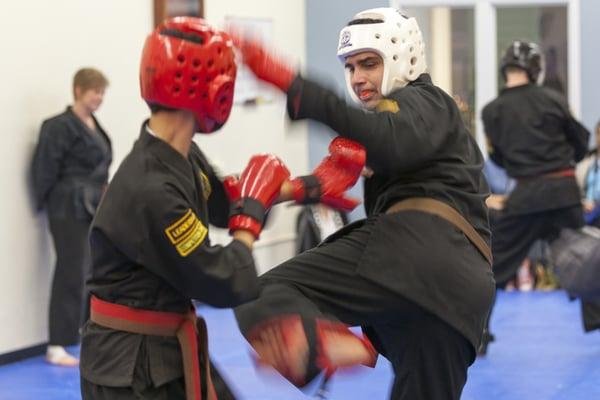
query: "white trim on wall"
486, 61
441, 47
574, 57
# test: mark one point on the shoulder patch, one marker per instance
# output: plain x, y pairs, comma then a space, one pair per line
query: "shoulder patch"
187, 233
206, 188
388, 105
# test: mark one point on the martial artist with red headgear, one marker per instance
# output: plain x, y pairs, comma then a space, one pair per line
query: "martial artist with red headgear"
150, 246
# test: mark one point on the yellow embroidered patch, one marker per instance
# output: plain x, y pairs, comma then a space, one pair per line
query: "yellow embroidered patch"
187, 233
206, 188
388, 105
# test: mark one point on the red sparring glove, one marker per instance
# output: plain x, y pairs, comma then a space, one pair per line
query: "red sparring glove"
231, 184
265, 65
338, 172
254, 193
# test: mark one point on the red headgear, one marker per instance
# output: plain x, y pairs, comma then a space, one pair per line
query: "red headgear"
187, 64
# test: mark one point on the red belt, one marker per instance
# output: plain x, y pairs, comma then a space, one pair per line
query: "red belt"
555, 174
561, 173
188, 328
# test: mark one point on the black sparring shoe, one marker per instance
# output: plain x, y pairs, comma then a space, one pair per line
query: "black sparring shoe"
486, 339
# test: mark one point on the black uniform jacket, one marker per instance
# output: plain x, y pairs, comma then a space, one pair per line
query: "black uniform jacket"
70, 167
151, 250
531, 133
417, 146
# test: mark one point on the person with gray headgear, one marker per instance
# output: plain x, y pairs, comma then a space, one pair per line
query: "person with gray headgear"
533, 136
415, 274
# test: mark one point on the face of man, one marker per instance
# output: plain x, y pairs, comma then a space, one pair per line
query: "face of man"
366, 75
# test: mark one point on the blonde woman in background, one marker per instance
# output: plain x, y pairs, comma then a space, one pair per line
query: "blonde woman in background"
70, 173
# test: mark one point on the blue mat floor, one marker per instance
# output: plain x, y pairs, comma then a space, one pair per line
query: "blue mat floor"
541, 353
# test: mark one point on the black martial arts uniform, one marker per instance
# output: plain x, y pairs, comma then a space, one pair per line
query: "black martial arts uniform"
310, 226
414, 282
151, 251
70, 172
532, 134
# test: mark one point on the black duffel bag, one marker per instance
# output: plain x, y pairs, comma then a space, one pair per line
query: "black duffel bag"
576, 260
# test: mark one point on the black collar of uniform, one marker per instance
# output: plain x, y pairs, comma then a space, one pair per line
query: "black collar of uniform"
518, 88
423, 78
166, 154
84, 128
71, 113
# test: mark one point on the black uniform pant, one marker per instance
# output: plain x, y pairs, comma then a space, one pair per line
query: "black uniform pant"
591, 311
513, 235
142, 388
429, 357
591, 315
170, 390
68, 303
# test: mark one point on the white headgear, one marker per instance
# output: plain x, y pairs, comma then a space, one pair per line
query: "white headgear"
397, 39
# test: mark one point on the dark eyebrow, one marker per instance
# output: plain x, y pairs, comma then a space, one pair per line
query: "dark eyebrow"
368, 60
363, 61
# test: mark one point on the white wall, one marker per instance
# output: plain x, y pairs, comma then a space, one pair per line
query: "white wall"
43, 44
264, 128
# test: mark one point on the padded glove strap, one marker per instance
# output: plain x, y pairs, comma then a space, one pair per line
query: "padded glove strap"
312, 189
249, 207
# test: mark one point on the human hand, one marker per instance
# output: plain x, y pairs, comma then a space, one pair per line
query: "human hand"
588, 206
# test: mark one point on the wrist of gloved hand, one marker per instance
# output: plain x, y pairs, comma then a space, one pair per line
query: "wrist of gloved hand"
247, 214
284, 78
306, 189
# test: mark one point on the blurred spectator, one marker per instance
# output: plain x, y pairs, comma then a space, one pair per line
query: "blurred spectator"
531, 134
588, 176
315, 222
70, 172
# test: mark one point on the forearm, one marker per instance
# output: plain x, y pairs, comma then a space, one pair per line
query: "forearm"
286, 193
310, 100
578, 137
245, 237
393, 141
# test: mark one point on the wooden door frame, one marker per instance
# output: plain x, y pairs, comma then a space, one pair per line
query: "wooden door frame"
160, 10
